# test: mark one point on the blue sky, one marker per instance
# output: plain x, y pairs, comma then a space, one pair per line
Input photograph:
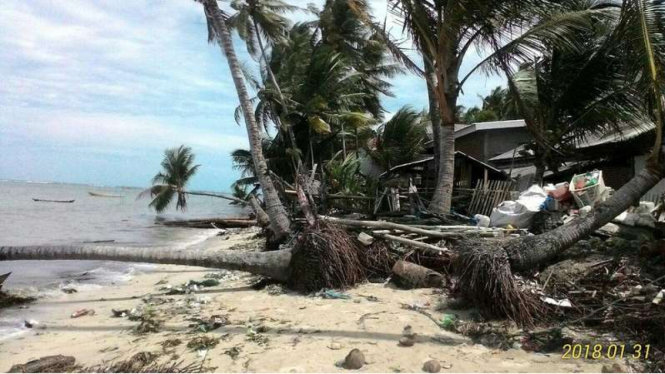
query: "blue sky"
94, 91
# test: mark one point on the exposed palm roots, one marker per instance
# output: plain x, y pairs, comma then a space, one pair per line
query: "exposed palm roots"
486, 280
327, 256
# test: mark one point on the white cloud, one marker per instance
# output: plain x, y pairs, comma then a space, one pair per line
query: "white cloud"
120, 132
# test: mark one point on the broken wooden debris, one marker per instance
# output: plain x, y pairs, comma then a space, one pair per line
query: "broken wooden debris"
411, 242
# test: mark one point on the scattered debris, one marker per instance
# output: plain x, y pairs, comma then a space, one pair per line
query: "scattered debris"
170, 343
564, 303
365, 239
335, 346
212, 323
202, 342
332, 294
48, 364
254, 335
118, 313
275, 289
361, 320
83, 312
449, 322
32, 324
210, 282
233, 352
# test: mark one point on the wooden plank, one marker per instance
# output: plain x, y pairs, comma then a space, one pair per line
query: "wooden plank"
475, 198
487, 201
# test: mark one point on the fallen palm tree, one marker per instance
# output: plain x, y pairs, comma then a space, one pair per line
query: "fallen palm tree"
324, 256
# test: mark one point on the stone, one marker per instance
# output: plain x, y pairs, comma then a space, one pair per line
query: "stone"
354, 360
432, 366
407, 341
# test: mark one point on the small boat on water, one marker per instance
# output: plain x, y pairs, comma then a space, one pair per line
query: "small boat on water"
100, 194
53, 201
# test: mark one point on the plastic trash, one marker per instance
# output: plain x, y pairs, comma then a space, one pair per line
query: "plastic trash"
560, 191
482, 221
589, 188
565, 303
332, 294
519, 213
448, 321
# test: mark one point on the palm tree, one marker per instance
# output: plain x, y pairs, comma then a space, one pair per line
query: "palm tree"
565, 95
444, 32
258, 19
639, 40
243, 162
178, 167
401, 139
219, 32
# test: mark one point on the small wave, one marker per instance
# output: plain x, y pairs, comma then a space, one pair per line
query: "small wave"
198, 239
11, 328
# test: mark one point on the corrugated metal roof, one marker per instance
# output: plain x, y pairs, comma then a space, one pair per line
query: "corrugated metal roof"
483, 126
590, 141
431, 158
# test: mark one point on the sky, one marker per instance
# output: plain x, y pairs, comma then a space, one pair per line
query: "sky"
94, 91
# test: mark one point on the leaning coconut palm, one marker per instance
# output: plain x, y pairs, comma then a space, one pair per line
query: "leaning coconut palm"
254, 21
444, 32
218, 32
178, 167
567, 94
639, 40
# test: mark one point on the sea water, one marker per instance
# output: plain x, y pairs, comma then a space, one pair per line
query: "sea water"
125, 221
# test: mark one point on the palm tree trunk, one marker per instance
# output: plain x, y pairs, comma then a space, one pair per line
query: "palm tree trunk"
443, 192
533, 251
435, 116
279, 221
261, 216
220, 196
274, 264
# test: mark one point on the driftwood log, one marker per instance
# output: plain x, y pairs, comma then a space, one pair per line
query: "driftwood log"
416, 276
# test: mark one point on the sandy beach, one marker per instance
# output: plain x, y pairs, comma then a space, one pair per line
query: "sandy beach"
268, 330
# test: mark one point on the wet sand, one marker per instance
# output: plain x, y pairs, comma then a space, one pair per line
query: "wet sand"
296, 333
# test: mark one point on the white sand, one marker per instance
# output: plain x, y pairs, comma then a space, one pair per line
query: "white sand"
301, 330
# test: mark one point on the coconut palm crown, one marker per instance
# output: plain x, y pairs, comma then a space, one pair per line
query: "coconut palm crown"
178, 168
